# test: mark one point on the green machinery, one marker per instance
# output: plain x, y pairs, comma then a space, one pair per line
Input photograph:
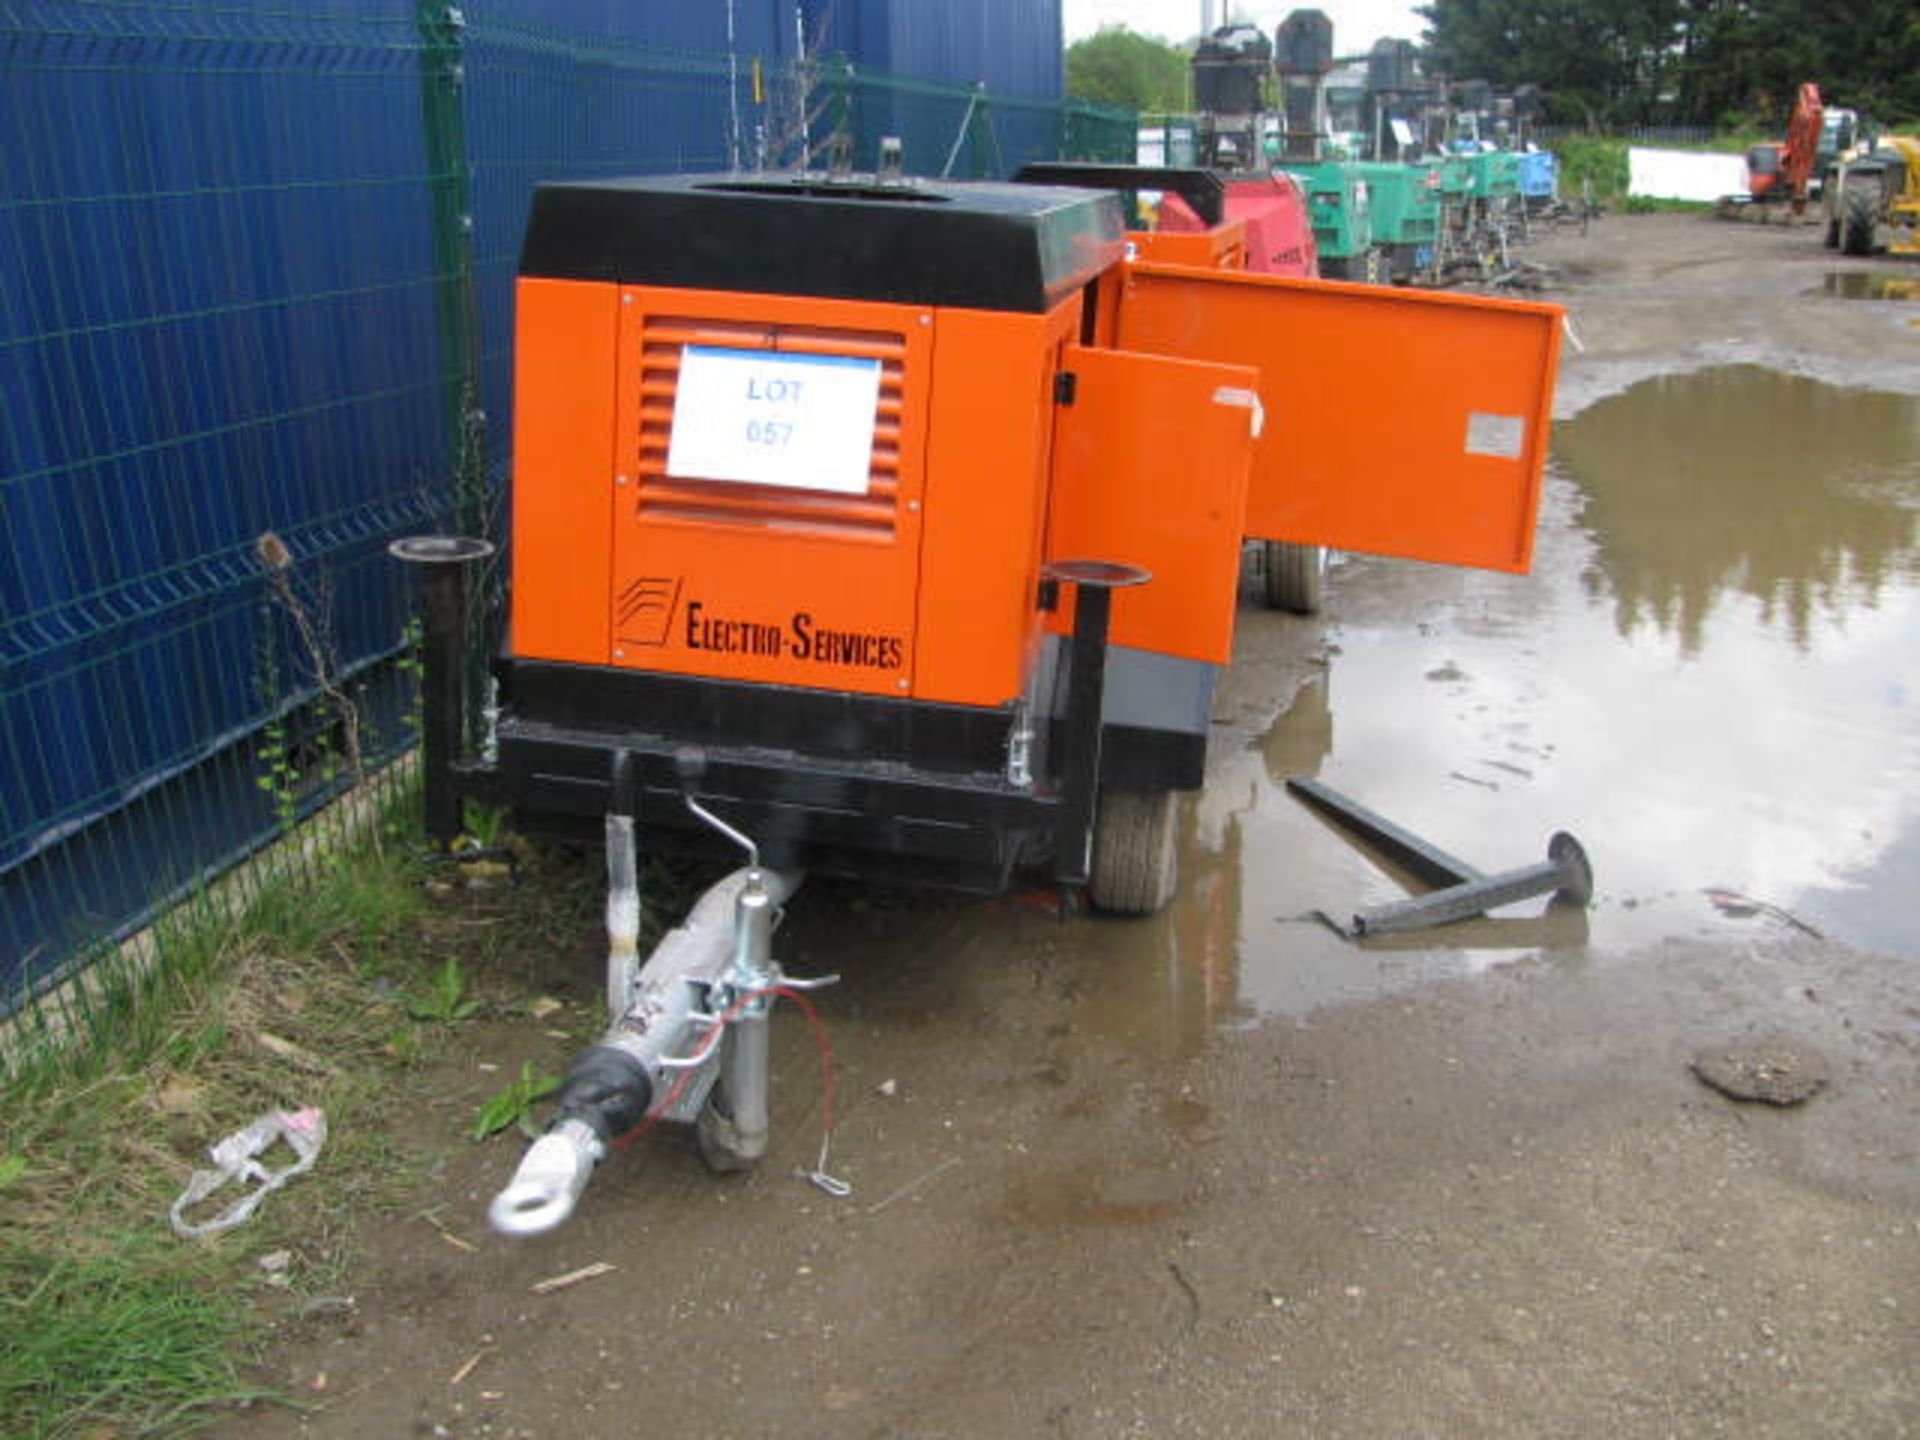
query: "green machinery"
1496, 194
1338, 209
1452, 177
1496, 176
1403, 207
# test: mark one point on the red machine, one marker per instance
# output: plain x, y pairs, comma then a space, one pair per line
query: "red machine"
1763, 170
1273, 208
1785, 171
1217, 221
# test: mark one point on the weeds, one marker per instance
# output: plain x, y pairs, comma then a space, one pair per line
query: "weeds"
113, 1091
445, 1000
331, 978
514, 1104
486, 825
1592, 160
311, 616
1659, 205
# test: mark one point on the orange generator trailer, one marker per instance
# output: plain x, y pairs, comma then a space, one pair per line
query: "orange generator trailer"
900, 521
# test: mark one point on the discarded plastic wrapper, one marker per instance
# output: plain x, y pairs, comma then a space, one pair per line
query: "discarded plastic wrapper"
237, 1158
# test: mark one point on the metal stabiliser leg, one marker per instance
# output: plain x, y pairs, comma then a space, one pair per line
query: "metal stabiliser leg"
1464, 891
733, 1125
444, 562
1564, 873
1094, 581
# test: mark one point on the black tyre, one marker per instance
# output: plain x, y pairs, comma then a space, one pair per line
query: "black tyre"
1295, 576
1136, 864
1859, 214
718, 1141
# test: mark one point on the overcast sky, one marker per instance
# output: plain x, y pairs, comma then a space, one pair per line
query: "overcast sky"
1356, 23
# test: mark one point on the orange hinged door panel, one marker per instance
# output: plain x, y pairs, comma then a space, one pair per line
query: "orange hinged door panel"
1220, 247
1150, 468
563, 394
1398, 422
767, 502
989, 438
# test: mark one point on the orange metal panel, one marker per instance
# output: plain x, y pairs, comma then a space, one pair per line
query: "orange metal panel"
1220, 247
1104, 298
1150, 469
563, 368
760, 582
987, 461
1398, 422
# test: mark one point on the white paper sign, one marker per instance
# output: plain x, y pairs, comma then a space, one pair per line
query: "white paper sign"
1501, 436
766, 418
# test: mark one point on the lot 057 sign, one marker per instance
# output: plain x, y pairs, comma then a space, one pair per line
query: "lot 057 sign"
759, 418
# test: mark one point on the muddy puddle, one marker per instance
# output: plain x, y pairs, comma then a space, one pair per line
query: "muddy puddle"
1868, 285
1712, 679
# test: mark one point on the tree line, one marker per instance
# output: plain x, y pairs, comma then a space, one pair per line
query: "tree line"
1603, 64
1729, 64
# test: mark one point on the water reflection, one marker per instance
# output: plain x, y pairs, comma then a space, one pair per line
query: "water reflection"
1794, 493
1711, 679
1868, 285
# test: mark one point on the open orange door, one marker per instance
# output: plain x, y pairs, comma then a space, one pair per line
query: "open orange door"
1397, 422
1150, 461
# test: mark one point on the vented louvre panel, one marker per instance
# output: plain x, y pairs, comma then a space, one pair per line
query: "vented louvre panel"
870, 517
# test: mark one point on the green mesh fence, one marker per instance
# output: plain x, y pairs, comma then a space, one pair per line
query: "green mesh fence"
218, 398
255, 322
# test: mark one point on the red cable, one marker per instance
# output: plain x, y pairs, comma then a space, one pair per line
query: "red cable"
712, 1038
679, 1087
819, 1027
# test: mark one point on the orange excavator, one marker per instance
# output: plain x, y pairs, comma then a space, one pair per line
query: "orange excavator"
1785, 171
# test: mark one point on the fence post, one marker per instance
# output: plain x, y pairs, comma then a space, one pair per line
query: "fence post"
442, 81
442, 86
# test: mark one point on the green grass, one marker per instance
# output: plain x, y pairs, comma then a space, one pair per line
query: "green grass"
1735, 142
348, 966
1600, 161
1593, 160
138, 1338
1651, 205
109, 1324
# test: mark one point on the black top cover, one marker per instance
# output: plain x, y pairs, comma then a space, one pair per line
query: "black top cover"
979, 246
1204, 190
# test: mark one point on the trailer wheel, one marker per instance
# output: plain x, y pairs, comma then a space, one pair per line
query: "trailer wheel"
1859, 204
1295, 576
1135, 862
718, 1142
